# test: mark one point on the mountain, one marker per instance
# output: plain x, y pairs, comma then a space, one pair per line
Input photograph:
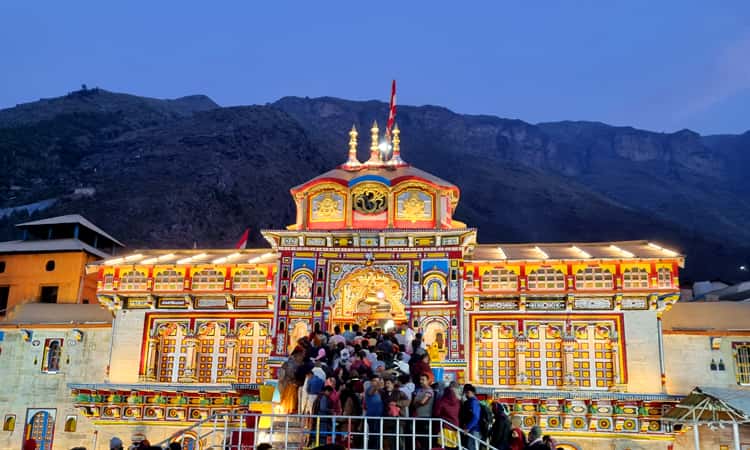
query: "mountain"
165, 173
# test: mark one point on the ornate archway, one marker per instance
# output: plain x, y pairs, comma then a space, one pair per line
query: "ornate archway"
367, 296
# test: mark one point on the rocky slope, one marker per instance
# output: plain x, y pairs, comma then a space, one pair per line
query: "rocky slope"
173, 172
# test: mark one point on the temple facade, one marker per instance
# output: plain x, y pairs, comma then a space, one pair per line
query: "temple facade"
568, 335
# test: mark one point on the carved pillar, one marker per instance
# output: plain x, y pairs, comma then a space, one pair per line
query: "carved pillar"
230, 370
569, 345
522, 344
617, 382
152, 343
189, 375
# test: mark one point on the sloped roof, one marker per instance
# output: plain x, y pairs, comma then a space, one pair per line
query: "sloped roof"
388, 173
52, 245
712, 405
147, 257
693, 316
573, 251
57, 314
70, 218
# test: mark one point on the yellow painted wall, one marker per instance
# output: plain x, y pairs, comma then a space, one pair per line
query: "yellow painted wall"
26, 274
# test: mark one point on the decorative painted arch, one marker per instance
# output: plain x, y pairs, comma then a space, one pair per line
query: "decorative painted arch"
434, 283
367, 284
302, 284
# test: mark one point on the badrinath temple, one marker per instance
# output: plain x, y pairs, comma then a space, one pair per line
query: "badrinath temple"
571, 336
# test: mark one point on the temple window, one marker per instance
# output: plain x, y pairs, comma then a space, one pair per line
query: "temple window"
9, 424
172, 351
248, 279
48, 294
208, 280
594, 278
50, 266
664, 277
212, 352
499, 280
546, 278
133, 280
52, 355
742, 362
254, 349
168, 280
71, 423
635, 278
2, 266
544, 363
592, 357
302, 285
496, 357
108, 282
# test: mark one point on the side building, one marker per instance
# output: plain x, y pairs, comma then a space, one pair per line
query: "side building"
52, 330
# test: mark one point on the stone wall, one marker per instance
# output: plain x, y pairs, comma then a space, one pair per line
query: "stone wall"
127, 342
642, 348
25, 386
688, 362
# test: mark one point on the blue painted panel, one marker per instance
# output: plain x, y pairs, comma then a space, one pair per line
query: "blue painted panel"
435, 264
302, 263
364, 178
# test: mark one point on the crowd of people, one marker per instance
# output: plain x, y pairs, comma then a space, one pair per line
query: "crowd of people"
381, 376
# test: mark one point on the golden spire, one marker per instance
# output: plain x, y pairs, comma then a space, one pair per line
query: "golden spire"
352, 163
396, 158
374, 149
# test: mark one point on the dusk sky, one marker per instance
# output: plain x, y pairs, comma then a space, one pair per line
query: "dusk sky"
657, 65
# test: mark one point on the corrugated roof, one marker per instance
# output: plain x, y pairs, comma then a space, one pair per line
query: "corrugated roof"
57, 314
389, 173
52, 245
572, 251
713, 405
71, 218
693, 316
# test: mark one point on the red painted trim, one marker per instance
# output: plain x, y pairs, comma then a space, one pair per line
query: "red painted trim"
316, 181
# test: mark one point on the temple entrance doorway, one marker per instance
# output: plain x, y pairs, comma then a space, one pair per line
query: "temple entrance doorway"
368, 297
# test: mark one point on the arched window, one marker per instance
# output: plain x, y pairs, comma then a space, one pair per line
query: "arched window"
435, 289
71, 423
9, 424
302, 286
208, 280
664, 277
172, 351
52, 355
499, 280
109, 281
249, 279
133, 280
594, 278
546, 278
168, 280
212, 351
635, 278
41, 428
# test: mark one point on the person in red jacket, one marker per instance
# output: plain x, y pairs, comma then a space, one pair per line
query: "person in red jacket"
448, 408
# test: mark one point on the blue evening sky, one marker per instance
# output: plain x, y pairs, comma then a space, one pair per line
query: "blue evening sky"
659, 65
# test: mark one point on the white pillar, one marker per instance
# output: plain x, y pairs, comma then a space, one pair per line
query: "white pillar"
736, 435
696, 436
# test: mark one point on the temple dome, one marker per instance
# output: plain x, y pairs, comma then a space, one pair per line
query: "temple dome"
381, 193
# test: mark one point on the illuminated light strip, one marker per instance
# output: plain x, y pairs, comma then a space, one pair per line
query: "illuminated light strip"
219, 260
581, 252
114, 261
502, 253
259, 257
624, 252
224, 259
149, 261
665, 250
166, 257
135, 257
542, 253
184, 260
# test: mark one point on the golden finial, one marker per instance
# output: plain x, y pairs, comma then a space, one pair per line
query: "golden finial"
352, 162
396, 141
374, 149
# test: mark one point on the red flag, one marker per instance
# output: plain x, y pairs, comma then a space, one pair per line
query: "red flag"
391, 110
242, 243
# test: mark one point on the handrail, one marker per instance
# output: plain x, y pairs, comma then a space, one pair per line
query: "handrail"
309, 431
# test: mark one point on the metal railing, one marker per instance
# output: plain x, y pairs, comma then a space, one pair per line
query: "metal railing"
245, 431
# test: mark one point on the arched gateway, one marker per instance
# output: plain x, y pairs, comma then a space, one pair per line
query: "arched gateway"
368, 297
